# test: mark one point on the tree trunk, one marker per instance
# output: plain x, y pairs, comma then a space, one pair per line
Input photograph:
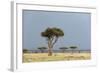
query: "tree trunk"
49, 52
49, 48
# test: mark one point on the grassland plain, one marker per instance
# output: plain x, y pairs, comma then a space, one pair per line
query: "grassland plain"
43, 57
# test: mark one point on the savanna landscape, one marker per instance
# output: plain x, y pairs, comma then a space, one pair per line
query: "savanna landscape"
56, 36
52, 35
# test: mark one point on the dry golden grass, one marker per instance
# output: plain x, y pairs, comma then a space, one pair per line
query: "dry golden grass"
43, 57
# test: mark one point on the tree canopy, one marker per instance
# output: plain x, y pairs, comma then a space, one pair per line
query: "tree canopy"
25, 50
63, 48
52, 32
73, 47
42, 49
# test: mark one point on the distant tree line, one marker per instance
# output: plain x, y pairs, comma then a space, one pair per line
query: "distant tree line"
63, 49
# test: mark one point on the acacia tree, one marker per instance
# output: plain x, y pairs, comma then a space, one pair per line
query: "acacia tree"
42, 49
73, 48
25, 50
52, 35
63, 49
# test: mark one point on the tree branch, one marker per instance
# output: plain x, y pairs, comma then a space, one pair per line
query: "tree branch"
56, 38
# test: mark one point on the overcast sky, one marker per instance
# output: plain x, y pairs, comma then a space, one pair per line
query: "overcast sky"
76, 27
